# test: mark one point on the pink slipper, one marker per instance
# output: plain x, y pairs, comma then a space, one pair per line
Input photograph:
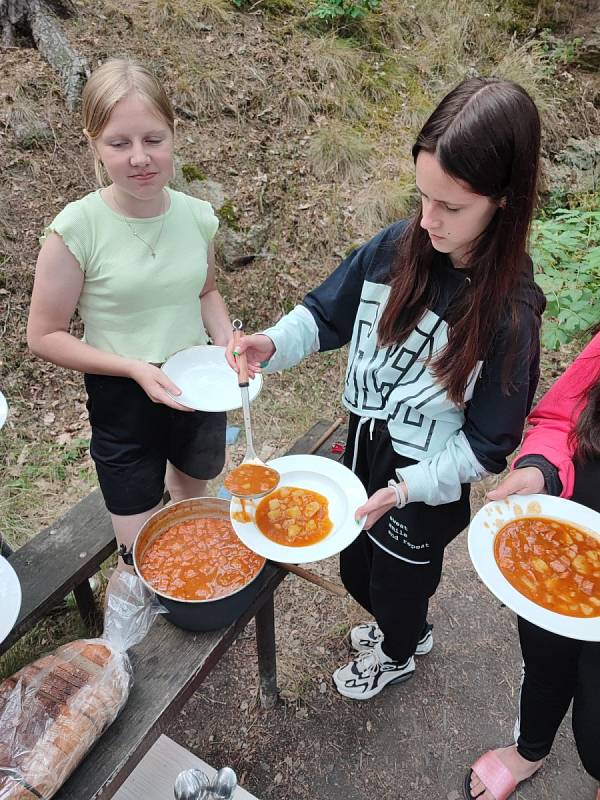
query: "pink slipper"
493, 774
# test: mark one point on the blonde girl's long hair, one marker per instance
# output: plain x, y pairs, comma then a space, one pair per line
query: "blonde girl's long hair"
111, 82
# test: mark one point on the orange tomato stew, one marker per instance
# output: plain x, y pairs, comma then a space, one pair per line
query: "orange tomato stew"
552, 563
294, 517
200, 559
251, 479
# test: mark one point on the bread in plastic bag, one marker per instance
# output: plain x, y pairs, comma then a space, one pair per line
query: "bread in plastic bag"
53, 710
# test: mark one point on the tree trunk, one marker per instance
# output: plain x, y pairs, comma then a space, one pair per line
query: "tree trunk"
7, 35
52, 43
49, 39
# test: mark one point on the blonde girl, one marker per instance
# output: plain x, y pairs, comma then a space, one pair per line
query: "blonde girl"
136, 260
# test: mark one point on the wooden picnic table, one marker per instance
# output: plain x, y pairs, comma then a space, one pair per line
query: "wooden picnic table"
163, 681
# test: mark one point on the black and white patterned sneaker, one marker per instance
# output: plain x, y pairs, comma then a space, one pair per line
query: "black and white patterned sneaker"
369, 673
368, 634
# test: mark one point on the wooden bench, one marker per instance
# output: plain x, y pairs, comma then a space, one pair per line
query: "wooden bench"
63, 557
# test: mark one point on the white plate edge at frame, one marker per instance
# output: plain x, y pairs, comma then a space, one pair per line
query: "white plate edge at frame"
10, 598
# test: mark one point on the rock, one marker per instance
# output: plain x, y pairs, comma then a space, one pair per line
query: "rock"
211, 191
32, 133
576, 168
588, 51
208, 190
583, 154
235, 249
235, 246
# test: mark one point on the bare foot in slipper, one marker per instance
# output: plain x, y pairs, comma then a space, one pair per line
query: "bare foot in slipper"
519, 768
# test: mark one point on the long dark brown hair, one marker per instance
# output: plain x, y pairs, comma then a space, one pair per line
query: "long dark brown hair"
586, 435
485, 133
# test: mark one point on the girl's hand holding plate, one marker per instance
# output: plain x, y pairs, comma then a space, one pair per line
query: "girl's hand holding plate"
376, 506
157, 385
529, 480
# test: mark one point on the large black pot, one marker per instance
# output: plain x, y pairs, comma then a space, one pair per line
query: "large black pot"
193, 615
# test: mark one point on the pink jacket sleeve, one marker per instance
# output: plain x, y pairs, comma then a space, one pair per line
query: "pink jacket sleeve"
555, 416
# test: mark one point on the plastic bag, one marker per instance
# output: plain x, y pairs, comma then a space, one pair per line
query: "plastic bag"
53, 710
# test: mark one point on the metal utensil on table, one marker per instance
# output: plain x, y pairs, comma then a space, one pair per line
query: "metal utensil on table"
224, 784
192, 784
243, 382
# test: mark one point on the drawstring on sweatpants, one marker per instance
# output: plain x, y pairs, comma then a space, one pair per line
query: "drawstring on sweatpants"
361, 422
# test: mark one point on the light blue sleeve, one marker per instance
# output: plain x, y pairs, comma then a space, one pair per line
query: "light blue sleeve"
438, 480
295, 336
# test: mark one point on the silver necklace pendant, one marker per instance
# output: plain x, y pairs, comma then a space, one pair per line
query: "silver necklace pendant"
151, 248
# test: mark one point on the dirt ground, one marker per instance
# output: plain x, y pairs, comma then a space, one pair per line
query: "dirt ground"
415, 740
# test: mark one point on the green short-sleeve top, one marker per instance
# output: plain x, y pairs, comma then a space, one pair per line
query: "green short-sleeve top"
134, 304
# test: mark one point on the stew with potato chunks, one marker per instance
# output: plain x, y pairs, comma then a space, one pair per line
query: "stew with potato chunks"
552, 563
251, 479
294, 517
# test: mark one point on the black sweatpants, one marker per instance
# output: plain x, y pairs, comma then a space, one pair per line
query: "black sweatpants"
558, 670
393, 569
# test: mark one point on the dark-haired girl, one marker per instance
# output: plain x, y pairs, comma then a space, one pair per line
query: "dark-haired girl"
560, 455
442, 316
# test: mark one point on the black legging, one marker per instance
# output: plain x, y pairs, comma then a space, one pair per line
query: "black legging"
557, 670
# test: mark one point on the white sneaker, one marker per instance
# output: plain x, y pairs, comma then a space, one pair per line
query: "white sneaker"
368, 634
370, 672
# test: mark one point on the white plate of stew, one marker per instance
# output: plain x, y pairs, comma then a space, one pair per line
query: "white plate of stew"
540, 555
330, 480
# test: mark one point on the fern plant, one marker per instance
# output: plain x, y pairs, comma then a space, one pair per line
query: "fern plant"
565, 248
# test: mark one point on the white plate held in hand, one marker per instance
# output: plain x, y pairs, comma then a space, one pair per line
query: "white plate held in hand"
10, 598
206, 380
3, 409
333, 480
482, 533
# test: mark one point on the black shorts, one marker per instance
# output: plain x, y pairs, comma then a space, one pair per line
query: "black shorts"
133, 438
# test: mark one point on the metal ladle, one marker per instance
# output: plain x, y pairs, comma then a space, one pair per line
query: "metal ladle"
192, 784
244, 382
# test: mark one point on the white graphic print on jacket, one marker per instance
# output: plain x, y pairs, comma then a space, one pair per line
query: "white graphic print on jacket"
396, 384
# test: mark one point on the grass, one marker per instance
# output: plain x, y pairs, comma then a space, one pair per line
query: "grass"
205, 90
60, 626
338, 151
183, 16
381, 202
333, 60
38, 479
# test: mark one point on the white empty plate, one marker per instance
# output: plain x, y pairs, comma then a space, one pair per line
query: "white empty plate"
3, 409
482, 532
206, 380
10, 598
334, 481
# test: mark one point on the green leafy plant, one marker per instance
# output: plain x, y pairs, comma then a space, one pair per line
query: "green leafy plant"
565, 248
558, 50
343, 11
